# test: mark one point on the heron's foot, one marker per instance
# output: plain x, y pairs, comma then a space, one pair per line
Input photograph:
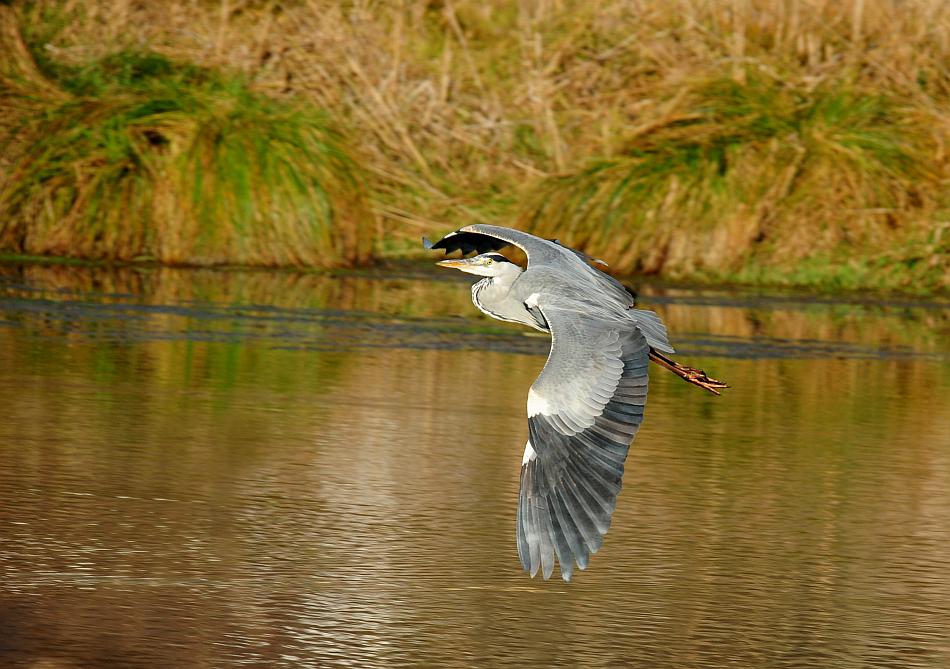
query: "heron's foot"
699, 378
689, 374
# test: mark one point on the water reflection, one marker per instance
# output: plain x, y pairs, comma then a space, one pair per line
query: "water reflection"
279, 469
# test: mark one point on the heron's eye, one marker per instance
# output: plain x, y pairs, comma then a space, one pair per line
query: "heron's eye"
488, 261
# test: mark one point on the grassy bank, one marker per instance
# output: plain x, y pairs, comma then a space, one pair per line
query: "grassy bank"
771, 141
136, 156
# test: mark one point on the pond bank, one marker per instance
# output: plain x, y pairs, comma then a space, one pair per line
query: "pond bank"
696, 142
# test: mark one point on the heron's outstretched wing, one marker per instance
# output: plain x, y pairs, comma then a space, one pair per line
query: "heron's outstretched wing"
485, 238
583, 411
540, 252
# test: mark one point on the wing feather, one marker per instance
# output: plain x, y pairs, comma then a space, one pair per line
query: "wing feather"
584, 409
561, 547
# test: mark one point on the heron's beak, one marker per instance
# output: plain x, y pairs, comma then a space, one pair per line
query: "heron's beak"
456, 263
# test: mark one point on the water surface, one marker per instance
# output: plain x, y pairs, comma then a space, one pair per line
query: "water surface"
214, 469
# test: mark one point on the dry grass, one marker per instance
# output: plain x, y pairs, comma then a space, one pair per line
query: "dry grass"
759, 167
467, 110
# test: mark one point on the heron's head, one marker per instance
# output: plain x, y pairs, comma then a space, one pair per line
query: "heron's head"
486, 264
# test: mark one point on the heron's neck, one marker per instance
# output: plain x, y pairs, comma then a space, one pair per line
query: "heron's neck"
496, 288
504, 281
493, 297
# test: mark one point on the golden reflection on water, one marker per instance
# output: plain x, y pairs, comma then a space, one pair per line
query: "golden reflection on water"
277, 469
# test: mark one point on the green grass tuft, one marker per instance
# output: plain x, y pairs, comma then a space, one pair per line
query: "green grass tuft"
144, 157
713, 187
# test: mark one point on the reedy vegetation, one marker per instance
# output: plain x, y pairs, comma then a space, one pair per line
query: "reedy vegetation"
133, 156
795, 141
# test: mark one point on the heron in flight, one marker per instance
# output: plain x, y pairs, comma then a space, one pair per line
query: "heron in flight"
587, 404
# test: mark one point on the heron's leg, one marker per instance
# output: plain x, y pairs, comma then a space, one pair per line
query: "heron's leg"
690, 374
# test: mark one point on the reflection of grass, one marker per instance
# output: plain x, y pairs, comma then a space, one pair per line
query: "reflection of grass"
139, 156
445, 306
23, 258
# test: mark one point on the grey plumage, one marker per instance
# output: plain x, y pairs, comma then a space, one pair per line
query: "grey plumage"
586, 405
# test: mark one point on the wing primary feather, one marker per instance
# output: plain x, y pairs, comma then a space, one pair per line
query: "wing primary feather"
604, 465
561, 547
597, 500
534, 544
625, 417
607, 456
530, 524
604, 491
571, 534
583, 518
544, 536
621, 430
523, 551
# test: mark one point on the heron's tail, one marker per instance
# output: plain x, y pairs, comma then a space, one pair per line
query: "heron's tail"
653, 329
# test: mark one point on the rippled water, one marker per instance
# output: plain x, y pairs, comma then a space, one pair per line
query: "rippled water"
275, 469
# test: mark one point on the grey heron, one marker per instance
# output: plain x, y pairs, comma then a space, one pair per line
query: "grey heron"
587, 404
